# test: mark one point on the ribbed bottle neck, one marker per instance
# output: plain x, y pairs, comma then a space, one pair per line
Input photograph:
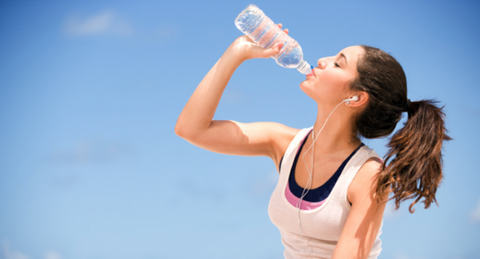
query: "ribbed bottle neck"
304, 68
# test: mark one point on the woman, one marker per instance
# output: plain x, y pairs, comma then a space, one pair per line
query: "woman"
332, 189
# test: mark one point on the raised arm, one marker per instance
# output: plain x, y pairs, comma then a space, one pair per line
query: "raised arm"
196, 124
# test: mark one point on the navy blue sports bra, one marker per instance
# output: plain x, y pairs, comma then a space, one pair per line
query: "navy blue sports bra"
320, 193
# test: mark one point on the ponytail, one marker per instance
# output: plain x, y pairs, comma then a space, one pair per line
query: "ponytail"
414, 169
413, 164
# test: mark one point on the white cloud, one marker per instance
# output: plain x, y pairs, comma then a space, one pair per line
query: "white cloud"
390, 213
92, 152
52, 255
6, 252
106, 22
475, 216
165, 32
9, 253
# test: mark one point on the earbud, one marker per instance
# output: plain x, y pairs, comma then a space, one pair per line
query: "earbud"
354, 98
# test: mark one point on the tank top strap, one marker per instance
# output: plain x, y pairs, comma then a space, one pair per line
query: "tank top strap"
351, 169
290, 153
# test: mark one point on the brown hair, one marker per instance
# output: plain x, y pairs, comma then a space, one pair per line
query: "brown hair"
414, 170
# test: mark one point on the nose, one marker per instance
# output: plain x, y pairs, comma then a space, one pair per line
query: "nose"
322, 63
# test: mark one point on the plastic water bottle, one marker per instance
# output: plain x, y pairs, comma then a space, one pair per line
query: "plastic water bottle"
263, 31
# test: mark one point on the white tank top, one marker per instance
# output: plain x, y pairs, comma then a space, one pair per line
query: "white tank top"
321, 226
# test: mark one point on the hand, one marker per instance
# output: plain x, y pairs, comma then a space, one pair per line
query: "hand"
245, 48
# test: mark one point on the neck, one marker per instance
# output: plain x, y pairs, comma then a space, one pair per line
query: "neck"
337, 133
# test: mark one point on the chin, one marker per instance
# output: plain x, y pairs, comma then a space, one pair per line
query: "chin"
305, 87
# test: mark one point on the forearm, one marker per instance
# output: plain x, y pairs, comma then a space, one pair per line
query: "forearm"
196, 117
198, 113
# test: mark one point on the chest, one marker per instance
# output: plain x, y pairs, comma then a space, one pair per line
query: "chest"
323, 223
311, 174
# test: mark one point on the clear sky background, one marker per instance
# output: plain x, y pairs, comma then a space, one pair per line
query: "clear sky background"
90, 166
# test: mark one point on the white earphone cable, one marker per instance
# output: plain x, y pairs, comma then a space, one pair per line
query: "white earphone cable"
310, 170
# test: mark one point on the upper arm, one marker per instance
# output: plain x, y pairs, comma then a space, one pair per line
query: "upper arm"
249, 139
365, 217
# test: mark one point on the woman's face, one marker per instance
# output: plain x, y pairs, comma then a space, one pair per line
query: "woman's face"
330, 82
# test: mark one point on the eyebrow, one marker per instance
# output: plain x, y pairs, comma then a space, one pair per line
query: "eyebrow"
343, 56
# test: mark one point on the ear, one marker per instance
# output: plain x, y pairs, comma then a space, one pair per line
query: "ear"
361, 100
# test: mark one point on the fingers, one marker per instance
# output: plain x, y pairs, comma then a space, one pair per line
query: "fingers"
280, 26
278, 46
267, 53
274, 50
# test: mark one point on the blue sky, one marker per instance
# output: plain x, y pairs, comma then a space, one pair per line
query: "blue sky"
90, 91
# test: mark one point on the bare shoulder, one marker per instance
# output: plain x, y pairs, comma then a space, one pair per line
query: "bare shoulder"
364, 183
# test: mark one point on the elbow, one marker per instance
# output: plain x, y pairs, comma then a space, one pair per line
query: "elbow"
185, 131
181, 130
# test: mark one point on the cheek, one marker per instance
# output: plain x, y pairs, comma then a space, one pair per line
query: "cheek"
321, 83
333, 79
336, 82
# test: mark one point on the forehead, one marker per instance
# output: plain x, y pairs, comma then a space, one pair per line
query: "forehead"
353, 53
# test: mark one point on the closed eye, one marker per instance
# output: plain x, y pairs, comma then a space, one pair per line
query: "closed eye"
336, 64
